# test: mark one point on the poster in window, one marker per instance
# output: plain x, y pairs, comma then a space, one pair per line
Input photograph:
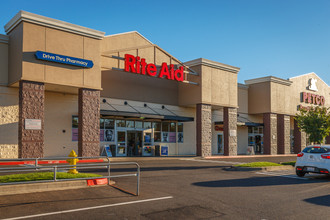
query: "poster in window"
164, 136
172, 137
220, 146
101, 135
147, 138
74, 134
180, 137
109, 135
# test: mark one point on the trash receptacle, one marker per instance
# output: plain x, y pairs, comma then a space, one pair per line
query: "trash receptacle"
157, 150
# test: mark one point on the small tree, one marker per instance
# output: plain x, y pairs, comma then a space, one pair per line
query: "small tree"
315, 122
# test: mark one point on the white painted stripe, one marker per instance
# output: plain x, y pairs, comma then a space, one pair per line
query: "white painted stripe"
89, 208
213, 161
281, 175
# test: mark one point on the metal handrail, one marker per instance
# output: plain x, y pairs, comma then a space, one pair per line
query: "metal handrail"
55, 168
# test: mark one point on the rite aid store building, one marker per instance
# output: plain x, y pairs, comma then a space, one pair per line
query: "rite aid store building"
65, 87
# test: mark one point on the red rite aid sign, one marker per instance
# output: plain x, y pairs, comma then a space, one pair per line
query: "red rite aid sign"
136, 65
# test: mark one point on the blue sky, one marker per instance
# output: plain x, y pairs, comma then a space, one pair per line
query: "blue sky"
282, 38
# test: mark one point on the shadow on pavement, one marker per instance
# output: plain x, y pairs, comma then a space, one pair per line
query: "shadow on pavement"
143, 169
254, 181
320, 200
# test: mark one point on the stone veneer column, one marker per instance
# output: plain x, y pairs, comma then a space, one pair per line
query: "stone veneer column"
270, 133
88, 123
204, 130
230, 131
299, 139
31, 106
283, 134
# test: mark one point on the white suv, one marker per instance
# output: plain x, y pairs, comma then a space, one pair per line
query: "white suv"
313, 159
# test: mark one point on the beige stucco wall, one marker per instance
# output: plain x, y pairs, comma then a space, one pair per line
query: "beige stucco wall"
8, 122
59, 109
188, 94
119, 41
27, 38
219, 87
3, 63
216, 87
243, 99
284, 98
259, 98
15, 54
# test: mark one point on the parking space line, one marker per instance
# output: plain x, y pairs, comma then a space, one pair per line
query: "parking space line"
89, 208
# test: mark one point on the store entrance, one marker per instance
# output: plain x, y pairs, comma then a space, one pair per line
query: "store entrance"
134, 143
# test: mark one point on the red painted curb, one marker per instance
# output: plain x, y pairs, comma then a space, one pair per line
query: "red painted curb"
48, 162
94, 182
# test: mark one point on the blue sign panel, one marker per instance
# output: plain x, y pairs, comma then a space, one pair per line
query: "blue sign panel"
40, 55
164, 151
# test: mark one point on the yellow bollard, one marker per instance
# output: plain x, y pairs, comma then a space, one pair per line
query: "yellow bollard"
73, 161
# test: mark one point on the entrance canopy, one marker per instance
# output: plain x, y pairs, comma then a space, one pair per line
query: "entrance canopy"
146, 116
242, 121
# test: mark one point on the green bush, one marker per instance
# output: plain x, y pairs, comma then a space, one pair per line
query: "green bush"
258, 164
43, 176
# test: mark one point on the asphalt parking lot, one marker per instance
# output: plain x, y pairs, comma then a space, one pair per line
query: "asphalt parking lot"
183, 188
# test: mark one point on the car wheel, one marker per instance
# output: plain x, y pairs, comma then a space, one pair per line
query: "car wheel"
300, 173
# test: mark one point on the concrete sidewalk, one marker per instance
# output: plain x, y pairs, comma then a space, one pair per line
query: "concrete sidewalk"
238, 158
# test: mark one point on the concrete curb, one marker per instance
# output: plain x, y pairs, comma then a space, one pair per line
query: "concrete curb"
44, 187
270, 168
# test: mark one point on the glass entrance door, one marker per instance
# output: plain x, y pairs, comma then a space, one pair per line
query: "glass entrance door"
121, 143
220, 144
134, 143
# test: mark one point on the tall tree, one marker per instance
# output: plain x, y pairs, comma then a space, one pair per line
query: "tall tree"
315, 122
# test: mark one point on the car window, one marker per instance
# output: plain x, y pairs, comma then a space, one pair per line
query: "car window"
316, 149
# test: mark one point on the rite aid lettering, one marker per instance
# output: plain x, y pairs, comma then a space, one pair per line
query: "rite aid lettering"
136, 65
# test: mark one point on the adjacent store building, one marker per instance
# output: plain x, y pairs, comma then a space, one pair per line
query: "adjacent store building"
64, 87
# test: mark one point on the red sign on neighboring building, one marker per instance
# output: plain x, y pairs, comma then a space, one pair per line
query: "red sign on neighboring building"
136, 65
313, 98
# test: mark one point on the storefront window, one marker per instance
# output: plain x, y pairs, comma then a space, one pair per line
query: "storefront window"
255, 130
165, 126
107, 132
147, 125
74, 121
74, 128
157, 126
157, 136
121, 136
180, 132
249, 130
101, 123
138, 124
157, 131
165, 137
120, 123
173, 127
129, 124
147, 138
109, 124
